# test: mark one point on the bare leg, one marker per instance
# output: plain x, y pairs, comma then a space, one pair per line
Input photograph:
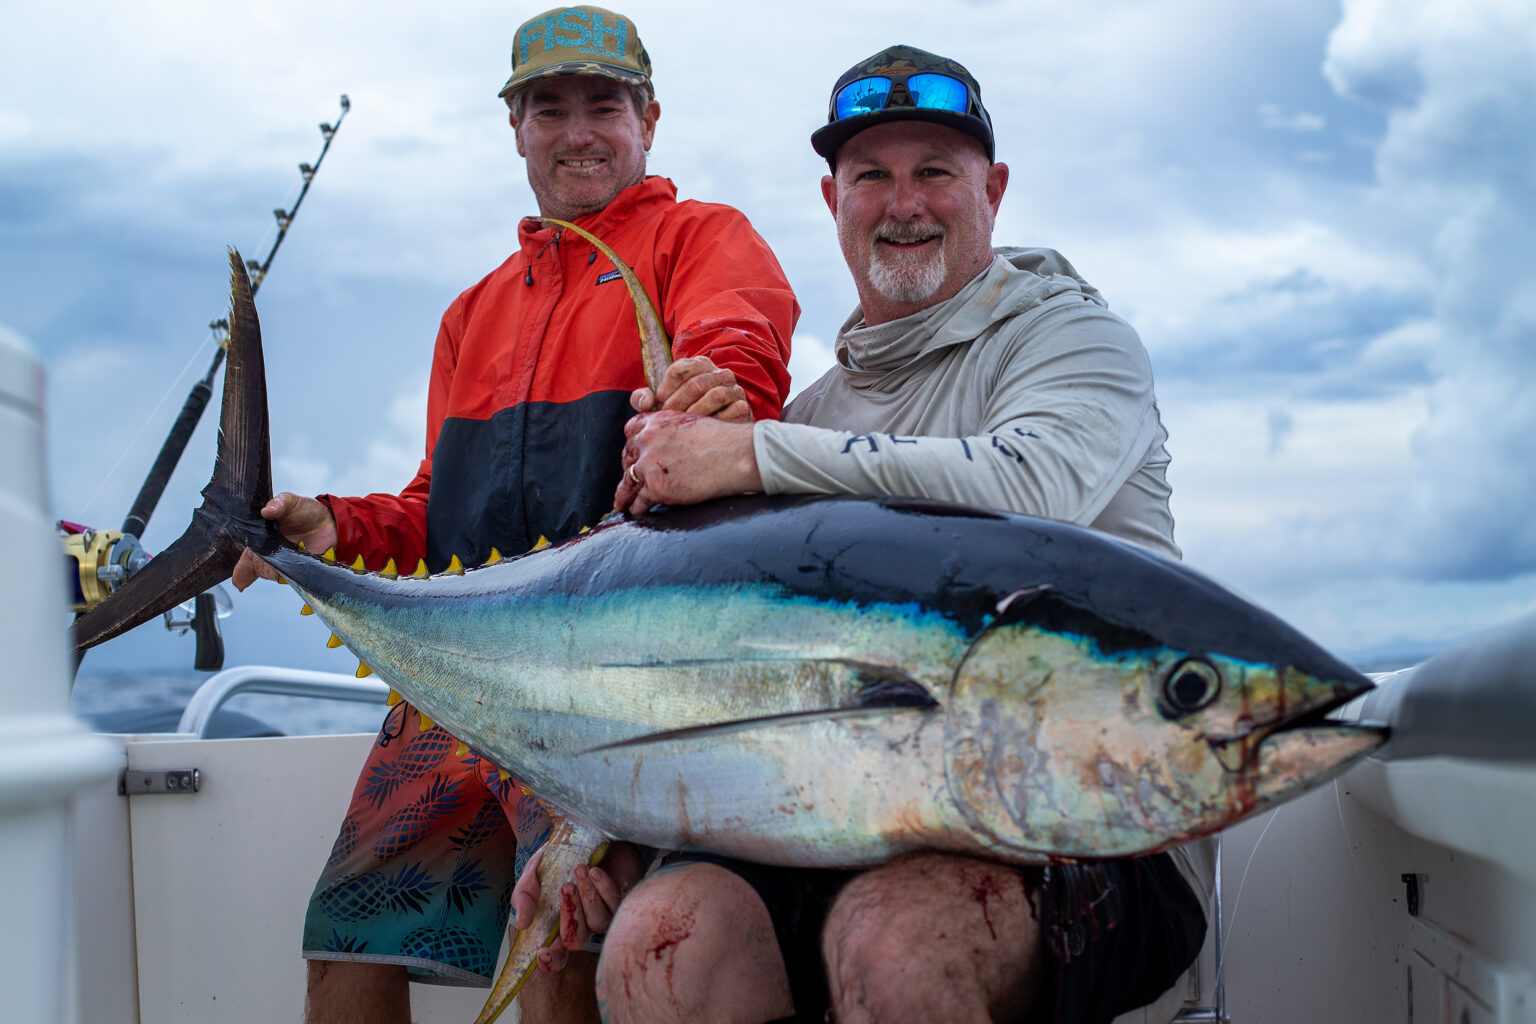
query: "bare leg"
346, 992
931, 937
693, 945
564, 997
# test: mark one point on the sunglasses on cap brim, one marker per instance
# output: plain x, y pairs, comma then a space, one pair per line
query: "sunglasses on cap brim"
926, 91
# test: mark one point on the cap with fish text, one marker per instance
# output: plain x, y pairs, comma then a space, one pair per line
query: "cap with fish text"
577, 41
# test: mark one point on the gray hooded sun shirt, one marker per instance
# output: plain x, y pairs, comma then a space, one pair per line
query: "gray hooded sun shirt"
1022, 392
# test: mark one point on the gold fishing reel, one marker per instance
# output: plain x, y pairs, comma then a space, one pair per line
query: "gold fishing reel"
99, 561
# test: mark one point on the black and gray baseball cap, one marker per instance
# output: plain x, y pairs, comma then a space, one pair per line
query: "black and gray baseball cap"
903, 83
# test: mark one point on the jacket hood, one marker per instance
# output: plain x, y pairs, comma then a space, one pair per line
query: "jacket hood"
1017, 281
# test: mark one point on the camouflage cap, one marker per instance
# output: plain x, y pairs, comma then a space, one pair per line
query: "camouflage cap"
899, 63
577, 41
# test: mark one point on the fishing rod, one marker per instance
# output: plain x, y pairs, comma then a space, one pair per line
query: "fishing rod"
104, 559
192, 410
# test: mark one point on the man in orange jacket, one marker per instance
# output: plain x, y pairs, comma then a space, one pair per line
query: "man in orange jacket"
530, 390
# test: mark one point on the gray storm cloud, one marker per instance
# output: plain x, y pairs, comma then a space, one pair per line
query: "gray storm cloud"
1457, 167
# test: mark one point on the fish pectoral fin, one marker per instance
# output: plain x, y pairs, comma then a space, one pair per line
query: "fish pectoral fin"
570, 844
900, 698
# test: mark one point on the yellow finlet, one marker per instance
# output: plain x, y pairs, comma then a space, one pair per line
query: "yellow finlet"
585, 529
358, 565
363, 671
494, 557
455, 567
390, 569
421, 570
301, 546
282, 579
393, 699
540, 544
329, 556
306, 610
426, 723
462, 750
334, 641
503, 773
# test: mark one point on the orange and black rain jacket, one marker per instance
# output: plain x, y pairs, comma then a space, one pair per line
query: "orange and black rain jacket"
534, 366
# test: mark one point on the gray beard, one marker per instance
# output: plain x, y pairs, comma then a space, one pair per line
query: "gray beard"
906, 279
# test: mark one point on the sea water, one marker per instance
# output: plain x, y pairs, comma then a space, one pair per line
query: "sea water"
108, 692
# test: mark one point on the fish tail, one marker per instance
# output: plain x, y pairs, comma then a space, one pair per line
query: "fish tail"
229, 518
242, 474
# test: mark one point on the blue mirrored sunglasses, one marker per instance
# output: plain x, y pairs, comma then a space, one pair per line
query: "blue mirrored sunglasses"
927, 90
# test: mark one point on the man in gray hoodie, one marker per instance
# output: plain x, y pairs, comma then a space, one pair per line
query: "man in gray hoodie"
993, 377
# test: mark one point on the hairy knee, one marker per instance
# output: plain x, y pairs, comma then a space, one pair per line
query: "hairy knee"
928, 927
670, 937
924, 898
663, 917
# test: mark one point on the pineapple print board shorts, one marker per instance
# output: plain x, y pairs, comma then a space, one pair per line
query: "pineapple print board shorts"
421, 873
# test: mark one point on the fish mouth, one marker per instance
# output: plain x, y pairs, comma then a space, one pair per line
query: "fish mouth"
1310, 738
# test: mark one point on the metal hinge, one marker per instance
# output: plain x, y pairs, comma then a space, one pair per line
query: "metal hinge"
174, 780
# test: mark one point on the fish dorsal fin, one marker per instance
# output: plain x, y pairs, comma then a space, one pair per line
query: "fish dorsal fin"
655, 346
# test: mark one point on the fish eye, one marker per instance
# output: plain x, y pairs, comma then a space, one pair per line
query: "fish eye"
1193, 683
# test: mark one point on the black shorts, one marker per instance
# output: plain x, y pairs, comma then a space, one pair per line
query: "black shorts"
1117, 933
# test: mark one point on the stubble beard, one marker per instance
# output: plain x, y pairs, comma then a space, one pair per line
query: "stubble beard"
569, 199
906, 277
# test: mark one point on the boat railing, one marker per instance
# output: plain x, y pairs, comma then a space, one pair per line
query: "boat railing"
291, 682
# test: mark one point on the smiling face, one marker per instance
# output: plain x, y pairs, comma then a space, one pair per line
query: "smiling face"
584, 142
914, 204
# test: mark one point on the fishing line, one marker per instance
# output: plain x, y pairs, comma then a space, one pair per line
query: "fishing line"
1237, 901
143, 425
1348, 848
176, 441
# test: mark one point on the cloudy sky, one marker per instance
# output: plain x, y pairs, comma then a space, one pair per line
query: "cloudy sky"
1320, 217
